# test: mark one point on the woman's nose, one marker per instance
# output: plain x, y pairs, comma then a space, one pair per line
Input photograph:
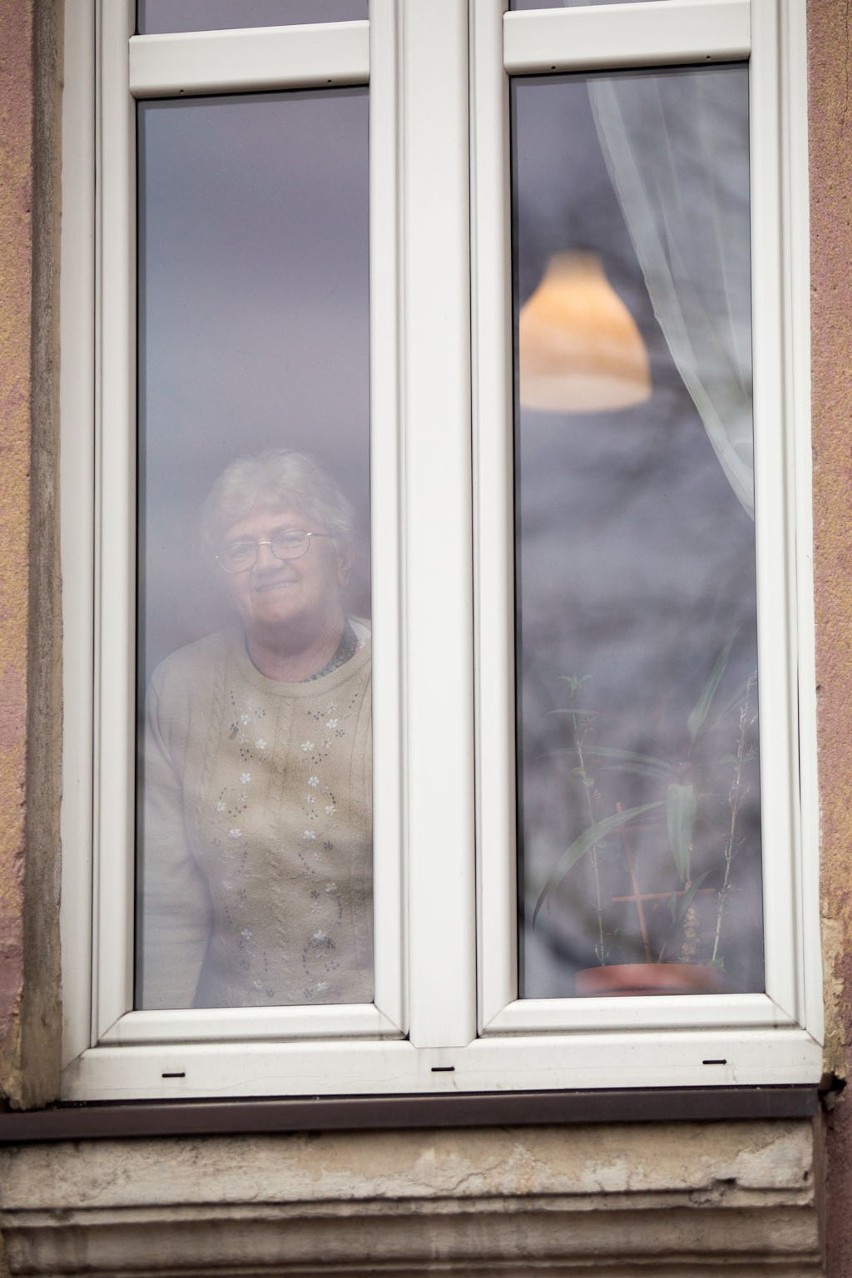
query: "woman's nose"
265, 557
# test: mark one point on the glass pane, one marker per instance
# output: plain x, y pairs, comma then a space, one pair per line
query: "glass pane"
639, 803
254, 801
154, 17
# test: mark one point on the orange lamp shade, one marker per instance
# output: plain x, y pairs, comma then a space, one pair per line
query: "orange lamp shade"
580, 350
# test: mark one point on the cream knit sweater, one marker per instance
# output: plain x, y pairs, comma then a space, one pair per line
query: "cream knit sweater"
255, 834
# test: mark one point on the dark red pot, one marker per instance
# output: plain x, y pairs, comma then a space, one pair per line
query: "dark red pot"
621, 979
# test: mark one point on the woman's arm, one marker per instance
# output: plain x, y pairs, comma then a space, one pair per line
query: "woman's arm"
174, 920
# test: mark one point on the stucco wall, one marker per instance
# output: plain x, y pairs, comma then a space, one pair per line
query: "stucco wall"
15, 283
830, 112
620, 1202
29, 619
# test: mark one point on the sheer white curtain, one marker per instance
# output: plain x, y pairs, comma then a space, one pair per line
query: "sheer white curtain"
676, 146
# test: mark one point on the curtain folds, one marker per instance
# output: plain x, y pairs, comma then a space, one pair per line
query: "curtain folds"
677, 150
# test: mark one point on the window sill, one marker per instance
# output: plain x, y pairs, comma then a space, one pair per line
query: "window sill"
365, 1113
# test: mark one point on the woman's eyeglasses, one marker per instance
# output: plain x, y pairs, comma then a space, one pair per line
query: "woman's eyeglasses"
286, 543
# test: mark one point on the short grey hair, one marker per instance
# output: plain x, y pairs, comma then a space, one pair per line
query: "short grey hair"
277, 479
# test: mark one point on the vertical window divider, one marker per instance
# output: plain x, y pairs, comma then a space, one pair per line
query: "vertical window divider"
385, 459
437, 514
493, 505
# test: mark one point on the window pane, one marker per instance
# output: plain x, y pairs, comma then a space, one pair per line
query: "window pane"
639, 804
155, 17
254, 803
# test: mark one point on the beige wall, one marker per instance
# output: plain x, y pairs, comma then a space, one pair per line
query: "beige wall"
29, 614
29, 626
29, 621
644, 1199
15, 402
830, 111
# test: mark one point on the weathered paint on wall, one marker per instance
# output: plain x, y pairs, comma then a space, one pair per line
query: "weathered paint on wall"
830, 108
631, 1201
830, 113
16, 191
29, 615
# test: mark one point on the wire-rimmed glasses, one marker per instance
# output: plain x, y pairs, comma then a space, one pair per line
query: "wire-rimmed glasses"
285, 543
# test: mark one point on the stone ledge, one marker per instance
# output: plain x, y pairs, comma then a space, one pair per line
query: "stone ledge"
677, 1199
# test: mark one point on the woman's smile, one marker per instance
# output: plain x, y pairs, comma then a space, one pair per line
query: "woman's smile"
279, 583
292, 603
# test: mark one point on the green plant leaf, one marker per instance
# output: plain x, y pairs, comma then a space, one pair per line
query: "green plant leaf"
695, 722
573, 712
681, 807
680, 904
630, 760
575, 682
590, 838
745, 692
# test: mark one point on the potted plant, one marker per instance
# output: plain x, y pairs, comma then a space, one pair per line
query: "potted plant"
668, 861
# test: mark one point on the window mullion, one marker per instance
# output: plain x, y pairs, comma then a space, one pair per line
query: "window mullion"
437, 487
492, 329
385, 511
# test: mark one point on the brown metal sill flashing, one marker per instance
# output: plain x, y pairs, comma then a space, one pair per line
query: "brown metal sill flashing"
137, 1119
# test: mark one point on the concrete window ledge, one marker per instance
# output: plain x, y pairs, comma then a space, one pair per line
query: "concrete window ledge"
681, 1199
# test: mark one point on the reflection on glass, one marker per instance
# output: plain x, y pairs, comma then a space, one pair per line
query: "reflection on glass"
155, 17
639, 800
254, 777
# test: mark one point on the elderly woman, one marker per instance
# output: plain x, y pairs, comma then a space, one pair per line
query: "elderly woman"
257, 775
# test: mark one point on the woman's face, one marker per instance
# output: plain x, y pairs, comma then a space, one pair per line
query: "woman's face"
295, 600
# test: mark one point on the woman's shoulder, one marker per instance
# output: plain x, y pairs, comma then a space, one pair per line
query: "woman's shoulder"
193, 664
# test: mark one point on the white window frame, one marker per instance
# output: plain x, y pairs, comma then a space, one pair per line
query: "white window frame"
447, 1017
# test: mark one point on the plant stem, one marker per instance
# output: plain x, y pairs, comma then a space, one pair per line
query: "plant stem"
735, 798
637, 897
593, 852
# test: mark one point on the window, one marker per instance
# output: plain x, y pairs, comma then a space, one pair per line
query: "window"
241, 375
635, 505
520, 541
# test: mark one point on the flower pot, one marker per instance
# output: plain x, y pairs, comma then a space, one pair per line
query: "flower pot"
621, 979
